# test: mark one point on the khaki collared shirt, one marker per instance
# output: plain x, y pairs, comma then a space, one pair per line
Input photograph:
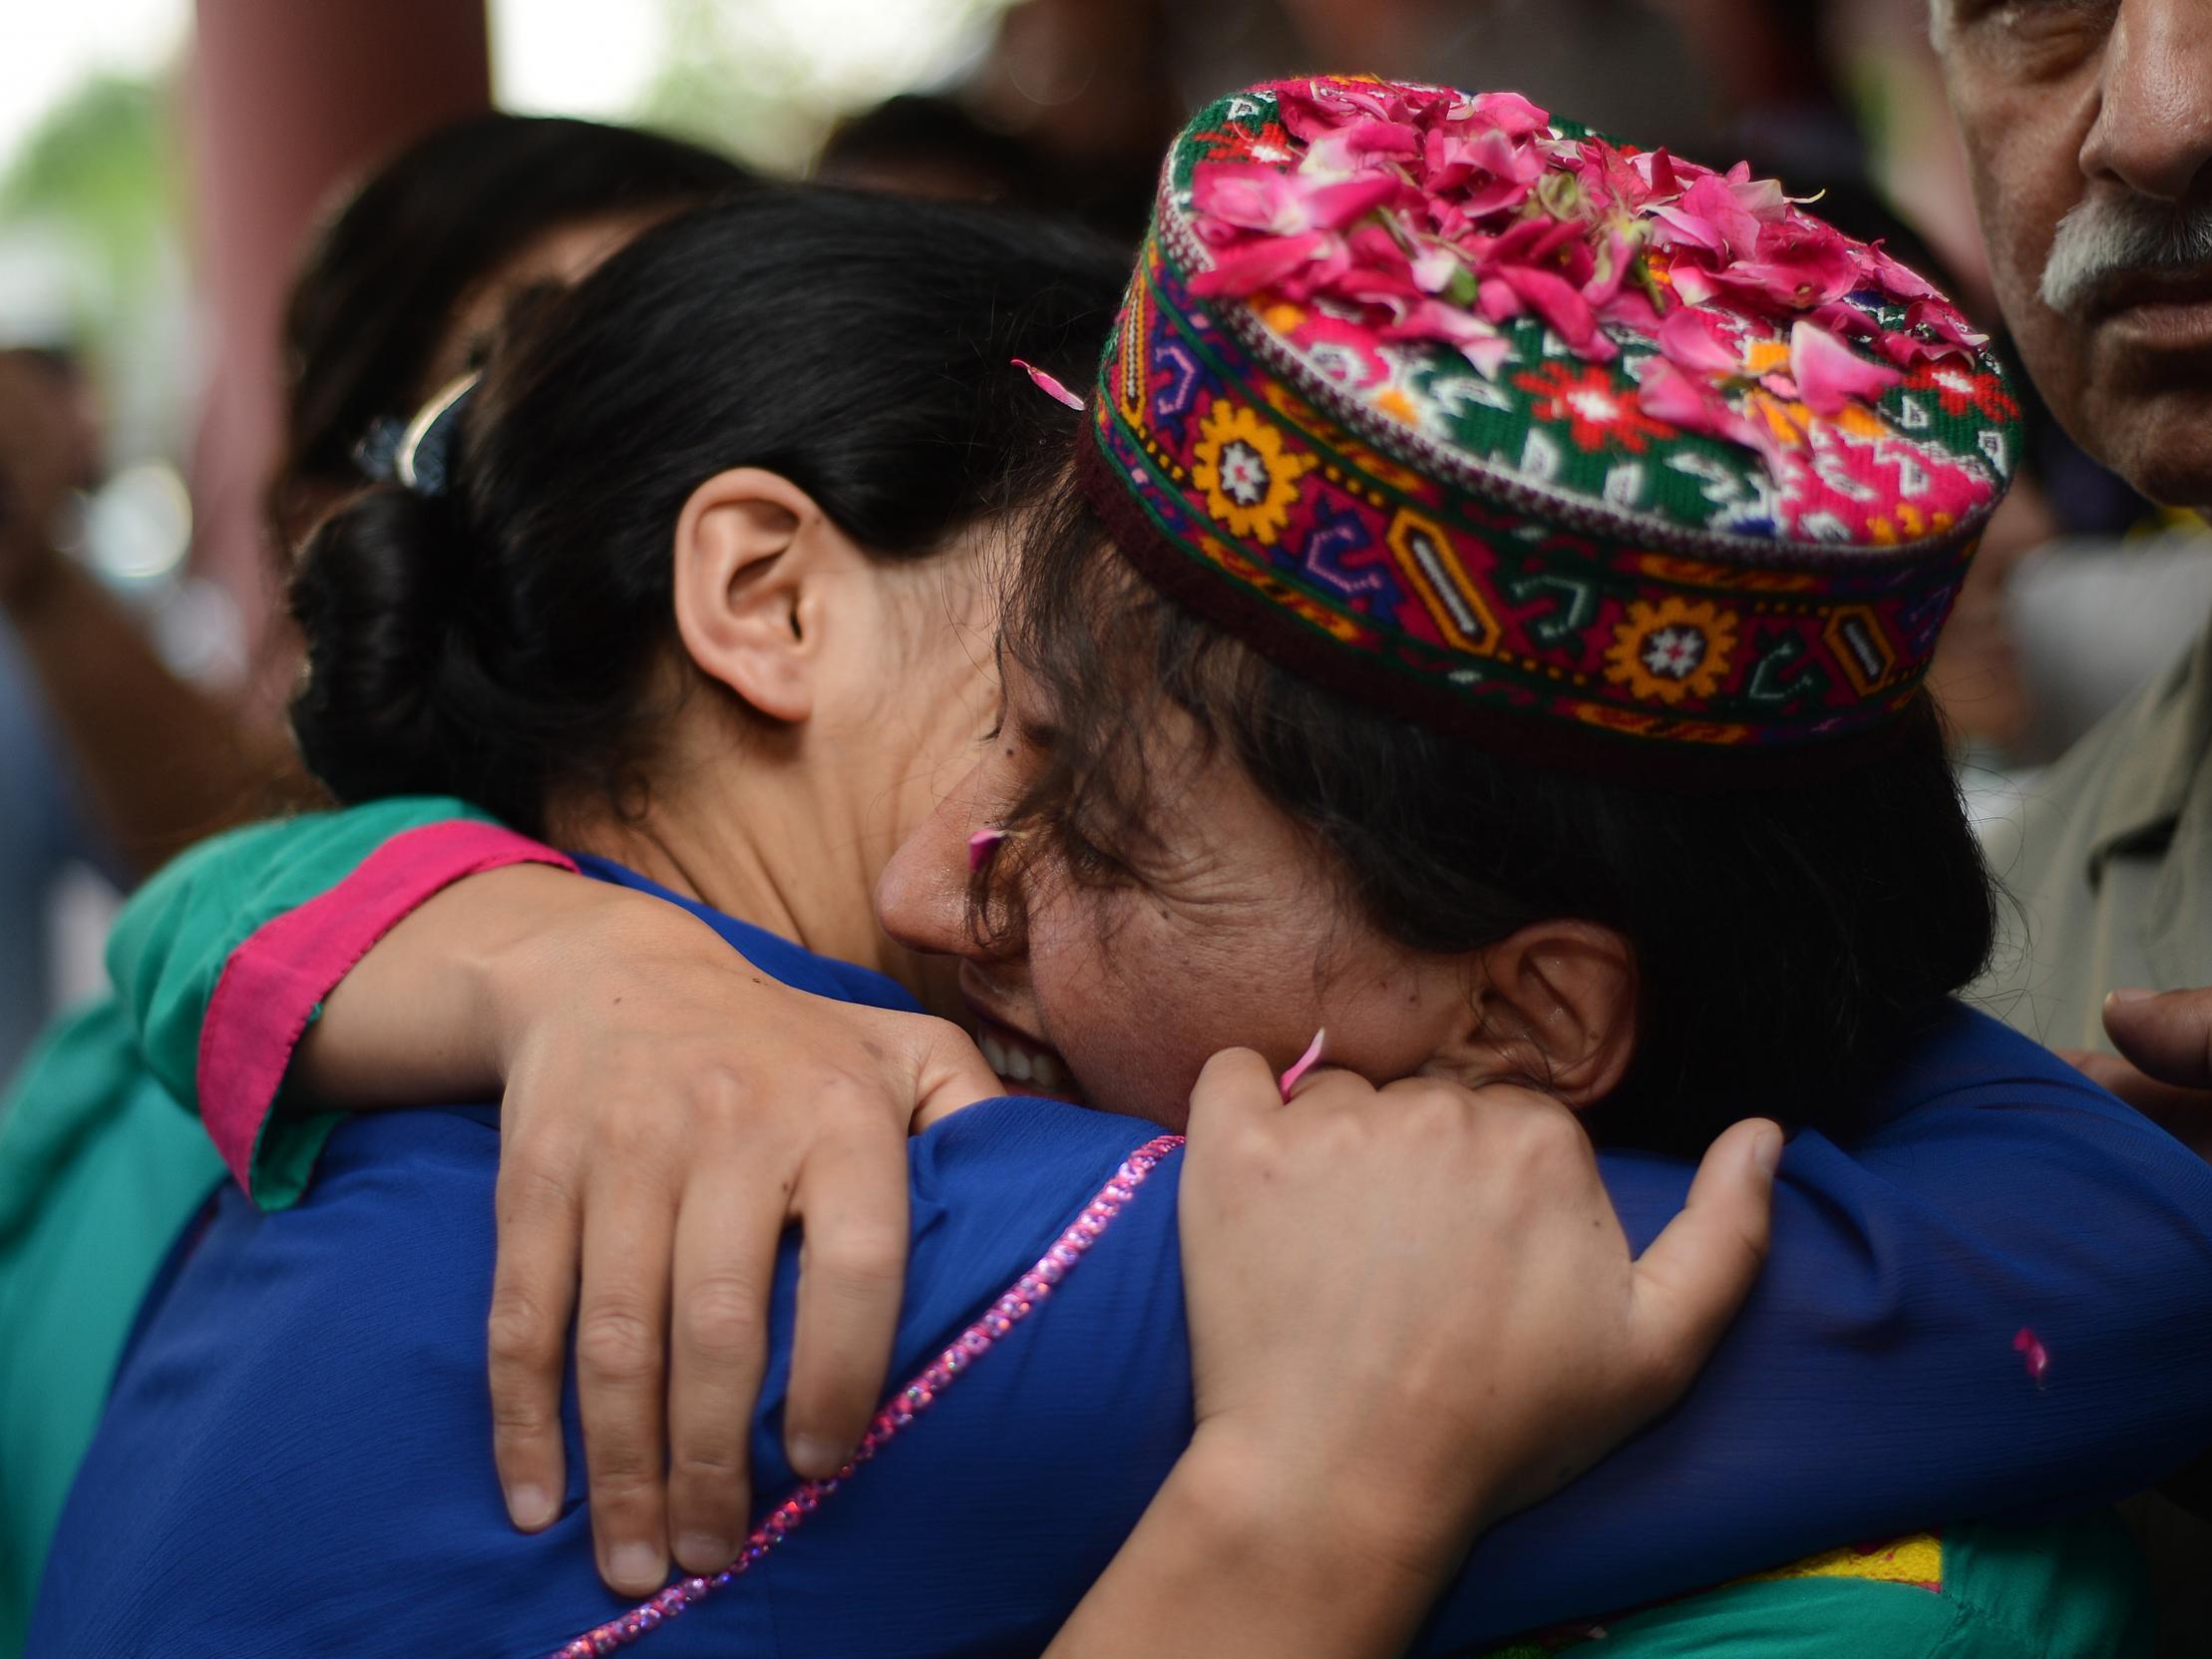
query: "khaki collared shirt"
2108, 864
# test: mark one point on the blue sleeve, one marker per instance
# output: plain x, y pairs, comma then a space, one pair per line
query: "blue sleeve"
1872, 1383
308, 1408
1870, 1387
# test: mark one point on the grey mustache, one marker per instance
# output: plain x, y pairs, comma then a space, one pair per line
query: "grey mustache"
2112, 236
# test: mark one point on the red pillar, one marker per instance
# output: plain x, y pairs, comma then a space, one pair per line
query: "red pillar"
289, 99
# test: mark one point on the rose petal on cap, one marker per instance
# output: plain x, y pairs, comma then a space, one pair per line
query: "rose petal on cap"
1831, 376
1691, 339
1260, 263
1512, 113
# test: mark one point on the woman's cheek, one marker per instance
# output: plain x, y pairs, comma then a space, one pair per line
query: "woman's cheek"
1125, 1036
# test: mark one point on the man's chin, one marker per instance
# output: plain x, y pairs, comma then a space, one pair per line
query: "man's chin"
2170, 469
2156, 432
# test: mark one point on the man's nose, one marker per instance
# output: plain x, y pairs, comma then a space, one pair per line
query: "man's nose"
2153, 131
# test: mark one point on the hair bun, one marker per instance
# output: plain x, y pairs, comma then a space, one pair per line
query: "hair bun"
376, 594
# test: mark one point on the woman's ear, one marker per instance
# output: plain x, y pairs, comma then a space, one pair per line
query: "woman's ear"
751, 554
1556, 1010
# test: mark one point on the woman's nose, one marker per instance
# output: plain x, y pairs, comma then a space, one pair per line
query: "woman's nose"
924, 898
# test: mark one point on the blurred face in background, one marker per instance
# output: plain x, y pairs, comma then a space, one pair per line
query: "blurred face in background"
2088, 126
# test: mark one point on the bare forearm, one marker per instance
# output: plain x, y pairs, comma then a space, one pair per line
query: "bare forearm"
1232, 1558
416, 1020
436, 1008
165, 763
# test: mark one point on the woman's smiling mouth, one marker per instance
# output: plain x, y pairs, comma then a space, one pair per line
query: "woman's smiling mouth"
1023, 1063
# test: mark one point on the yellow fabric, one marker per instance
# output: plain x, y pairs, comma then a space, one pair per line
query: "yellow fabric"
1914, 1561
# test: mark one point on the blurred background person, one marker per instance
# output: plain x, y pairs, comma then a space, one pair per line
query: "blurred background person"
115, 754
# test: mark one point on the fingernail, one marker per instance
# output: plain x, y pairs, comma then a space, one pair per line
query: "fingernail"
1766, 1149
531, 1507
704, 1553
636, 1566
2134, 993
815, 1458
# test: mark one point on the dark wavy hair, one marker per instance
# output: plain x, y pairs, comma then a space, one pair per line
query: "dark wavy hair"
382, 279
1792, 940
496, 641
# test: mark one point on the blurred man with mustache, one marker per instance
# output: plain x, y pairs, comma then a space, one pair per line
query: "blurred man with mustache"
2088, 127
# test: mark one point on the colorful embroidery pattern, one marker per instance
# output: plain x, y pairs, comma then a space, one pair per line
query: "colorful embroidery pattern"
1474, 494
1032, 1288
1249, 481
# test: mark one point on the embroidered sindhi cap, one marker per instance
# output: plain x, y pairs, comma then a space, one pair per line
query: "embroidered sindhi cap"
1574, 450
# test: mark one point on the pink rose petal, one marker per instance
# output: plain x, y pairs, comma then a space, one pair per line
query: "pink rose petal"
1306, 1063
1717, 208
1694, 285
2030, 1350
1831, 376
1692, 339
1666, 394
1432, 319
1954, 335
1512, 113
1049, 385
983, 846
1557, 303
1433, 271
1260, 263
1899, 280
1333, 206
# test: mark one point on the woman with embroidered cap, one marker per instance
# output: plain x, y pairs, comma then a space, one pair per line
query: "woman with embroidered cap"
1489, 623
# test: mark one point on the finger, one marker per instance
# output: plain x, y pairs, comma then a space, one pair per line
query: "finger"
534, 1282
2186, 1112
948, 1072
850, 1281
725, 1261
1236, 1085
1696, 1274
2168, 1037
621, 1340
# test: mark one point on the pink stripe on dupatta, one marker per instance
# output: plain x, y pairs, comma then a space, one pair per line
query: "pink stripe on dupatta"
270, 986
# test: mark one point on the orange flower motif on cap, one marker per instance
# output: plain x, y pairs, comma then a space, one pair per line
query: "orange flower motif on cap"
1674, 650
1249, 481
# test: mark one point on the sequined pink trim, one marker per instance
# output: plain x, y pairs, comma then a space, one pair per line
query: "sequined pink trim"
904, 1406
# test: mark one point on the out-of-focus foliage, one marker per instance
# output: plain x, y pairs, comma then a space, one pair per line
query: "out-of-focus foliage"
767, 80
91, 226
